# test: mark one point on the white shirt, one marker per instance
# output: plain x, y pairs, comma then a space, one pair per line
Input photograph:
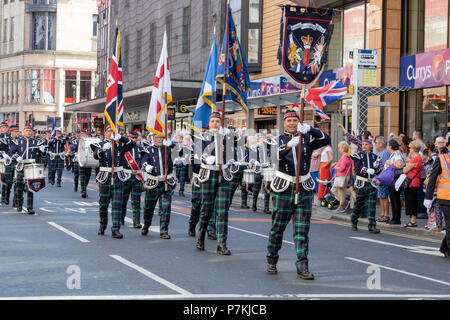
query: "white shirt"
324, 154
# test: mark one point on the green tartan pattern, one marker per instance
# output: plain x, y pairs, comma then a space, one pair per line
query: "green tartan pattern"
283, 210
9, 178
19, 190
208, 191
257, 188
181, 173
237, 178
366, 201
151, 198
132, 186
266, 199
76, 174
45, 159
111, 193
56, 167
196, 205
85, 176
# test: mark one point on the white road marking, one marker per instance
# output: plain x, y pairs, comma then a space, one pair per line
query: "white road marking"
432, 251
399, 271
236, 296
77, 210
151, 275
47, 210
70, 233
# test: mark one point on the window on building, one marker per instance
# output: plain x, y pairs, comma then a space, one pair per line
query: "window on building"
95, 25
435, 27
186, 30
16, 88
125, 57
85, 85
434, 113
152, 44
3, 88
354, 26
33, 86
138, 49
44, 30
11, 30
49, 87
70, 86
205, 23
5, 36
335, 48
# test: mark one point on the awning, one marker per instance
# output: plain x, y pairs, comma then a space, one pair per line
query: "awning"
140, 97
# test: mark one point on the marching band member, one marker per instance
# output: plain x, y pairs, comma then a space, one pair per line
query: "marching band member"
75, 164
284, 187
111, 187
180, 165
82, 174
25, 150
4, 147
215, 192
46, 157
241, 160
134, 184
153, 163
9, 164
367, 166
56, 150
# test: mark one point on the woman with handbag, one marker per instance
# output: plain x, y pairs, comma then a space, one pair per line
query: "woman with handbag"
343, 170
398, 161
412, 170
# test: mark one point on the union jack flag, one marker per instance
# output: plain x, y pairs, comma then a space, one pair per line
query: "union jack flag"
320, 97
114, 96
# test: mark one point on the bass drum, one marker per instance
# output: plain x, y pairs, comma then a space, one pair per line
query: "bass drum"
85, 155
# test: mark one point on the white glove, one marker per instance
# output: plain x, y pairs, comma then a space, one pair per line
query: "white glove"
116, 137
371, 171
303, 128
6, 156
294, 142
256, 163
224, 131
167, 143
19, 159
42, 148
210, 160
149, 168
427, 204
364, 170
237, 163
106, 146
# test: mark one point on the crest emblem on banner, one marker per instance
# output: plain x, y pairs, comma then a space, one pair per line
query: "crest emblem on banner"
36, 185
306, 34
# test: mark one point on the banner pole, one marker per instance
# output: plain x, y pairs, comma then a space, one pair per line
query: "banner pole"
301, 115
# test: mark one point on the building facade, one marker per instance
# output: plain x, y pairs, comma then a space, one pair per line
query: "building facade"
48, 60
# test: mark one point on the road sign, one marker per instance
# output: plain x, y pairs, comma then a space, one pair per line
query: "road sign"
182, 106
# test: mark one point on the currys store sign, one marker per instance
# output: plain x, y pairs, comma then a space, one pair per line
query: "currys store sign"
430, 69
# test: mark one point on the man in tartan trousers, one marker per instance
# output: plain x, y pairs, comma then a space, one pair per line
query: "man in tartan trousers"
56, 150
153, 163
82, 174
283, 191
181, 163
10, 164
25, 150
111, 187
4, 147
133, 185
215, 190
367, 166
241, 160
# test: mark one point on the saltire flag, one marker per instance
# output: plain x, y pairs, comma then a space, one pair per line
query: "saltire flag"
161, 94
113, 86
54, 127
320, 97
207, 100
238, 79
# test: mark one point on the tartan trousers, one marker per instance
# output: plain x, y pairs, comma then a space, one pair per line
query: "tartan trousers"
284, 209
76, 174
9, 178
366, 201
237, 178
132, 186
196, 205
181, 172
111, 193
56, 167
215, 197
45, 160
19, 190
257, 189
151, 198
85, 176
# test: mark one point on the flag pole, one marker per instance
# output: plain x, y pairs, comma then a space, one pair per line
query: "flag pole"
113, 144
165, 129
224, 88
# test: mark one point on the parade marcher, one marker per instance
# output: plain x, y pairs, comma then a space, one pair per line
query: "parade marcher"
111, 186
241, 159
261, 153
4, 147
284, 188
68, 154
439, 180
215, 190
101, 136
180, 163
82, 174
133, 185
367, 166
56, 151
25, 150
45, 158
153, 163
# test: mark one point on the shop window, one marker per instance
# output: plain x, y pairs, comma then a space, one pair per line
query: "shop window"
95, 25
33, 86
70, 86
354, 26
85, 85
434, 113
49, 87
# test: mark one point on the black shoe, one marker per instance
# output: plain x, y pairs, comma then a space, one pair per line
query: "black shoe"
267, 212
14, 205
191, 231
354, 227
447, 254
374, 230
6, 201
254, 208
392, 222
212, 236
58, 184
101, 231
75, 189
117, 234
52, 183
164, 236
30, 211
19, 208
244, 206
83, 195
271, 268
137, 225
201, 242
145, 230
181, 194
305, 275
223, 250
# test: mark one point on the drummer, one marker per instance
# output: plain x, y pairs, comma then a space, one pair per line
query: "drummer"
56, 150
25, 150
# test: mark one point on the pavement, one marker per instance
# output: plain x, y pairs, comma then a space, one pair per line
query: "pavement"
57, 255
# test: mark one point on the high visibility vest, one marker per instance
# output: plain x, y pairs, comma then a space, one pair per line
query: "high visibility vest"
443, 183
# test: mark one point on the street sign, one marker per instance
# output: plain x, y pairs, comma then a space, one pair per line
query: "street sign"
182, 106
366, 62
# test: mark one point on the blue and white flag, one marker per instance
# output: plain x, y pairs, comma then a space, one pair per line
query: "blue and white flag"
54, 127
207, 100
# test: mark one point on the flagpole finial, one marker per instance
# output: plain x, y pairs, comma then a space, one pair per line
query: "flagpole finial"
214, 30
117, 23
